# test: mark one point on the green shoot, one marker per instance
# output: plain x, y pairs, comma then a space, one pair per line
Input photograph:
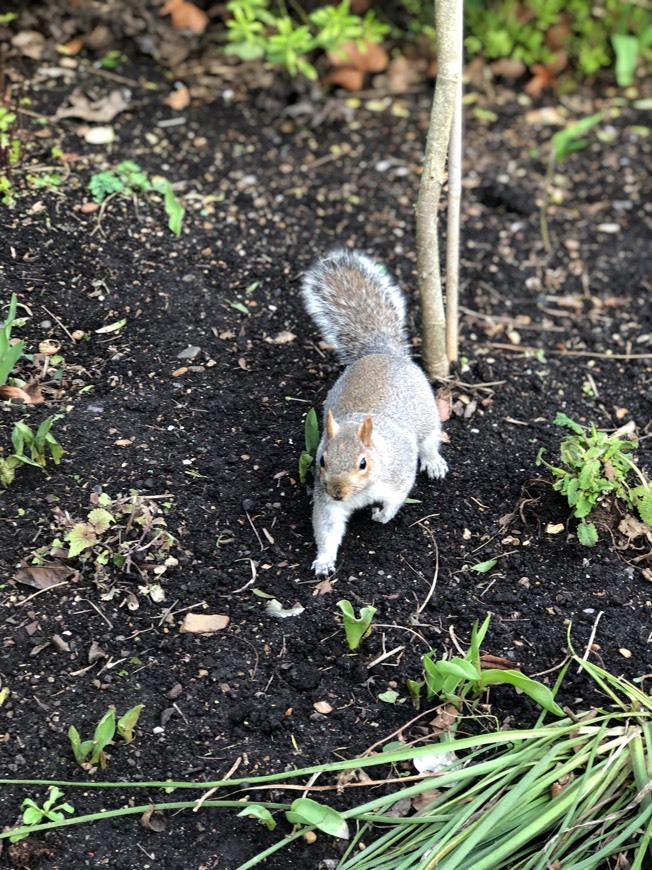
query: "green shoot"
9, 353
457, 679
51, 811
90, 753
356, 628
129, 180
307, 457
38, 444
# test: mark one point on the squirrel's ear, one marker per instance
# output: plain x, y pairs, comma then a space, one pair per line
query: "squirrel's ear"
331, 426
366, 431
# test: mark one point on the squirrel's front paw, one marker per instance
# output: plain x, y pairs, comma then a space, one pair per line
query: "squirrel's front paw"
323, 567
435, 466
382, 514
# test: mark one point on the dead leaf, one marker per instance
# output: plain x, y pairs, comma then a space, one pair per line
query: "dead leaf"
30, 394
445, 406
323, 587
185, 16
633, 528
508, 68
283, 337
204, 623
70, 49
95, 653
346, 77
43, 576
497, 662
276, 610
30, 43
370, 58
424, 799
178, 99
95, 111
153, 820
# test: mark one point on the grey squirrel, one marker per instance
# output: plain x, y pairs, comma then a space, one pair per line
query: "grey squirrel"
380, 417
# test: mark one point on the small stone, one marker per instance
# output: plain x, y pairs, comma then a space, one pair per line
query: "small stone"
190, 352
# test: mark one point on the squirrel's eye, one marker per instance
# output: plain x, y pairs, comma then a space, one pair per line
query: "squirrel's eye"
322, 463
363, 464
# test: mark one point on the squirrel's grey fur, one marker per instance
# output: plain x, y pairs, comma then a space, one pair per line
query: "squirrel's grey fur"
380, 417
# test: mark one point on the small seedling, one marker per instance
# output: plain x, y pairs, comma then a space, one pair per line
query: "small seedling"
89, 753
307, 458
457, 679
356, 628
129, 180
562, 145
9, 353
125, 532
37, 443
51, 811
595, 465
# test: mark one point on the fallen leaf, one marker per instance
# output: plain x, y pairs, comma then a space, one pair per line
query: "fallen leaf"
346, 77
323, 587
498, 662
178, 99
30, 394
95, 111
277, 611
185, 16
30, 43
43, 576
153, 820
71, 48
95, 653
424, 799
284, 337
365, 56
204, 623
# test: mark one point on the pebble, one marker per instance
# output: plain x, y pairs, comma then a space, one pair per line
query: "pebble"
190, 352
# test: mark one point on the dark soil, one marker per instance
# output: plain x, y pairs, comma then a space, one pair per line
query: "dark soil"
220, 434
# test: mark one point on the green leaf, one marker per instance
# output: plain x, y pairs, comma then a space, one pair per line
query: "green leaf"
306, 462
32, 816
626, 48
484, 567
128, 722
103, 735
262, 814
356, 628
305, 811
311, 432
458, 667
389, 697
100, 519
175, 212
642, 498
535, 690
587, 534
111, 327
82, 537
562, 420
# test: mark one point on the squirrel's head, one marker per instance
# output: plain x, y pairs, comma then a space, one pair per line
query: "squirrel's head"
346, 463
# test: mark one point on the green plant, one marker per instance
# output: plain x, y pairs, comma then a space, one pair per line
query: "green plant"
572, 793
9, 353
595, 465
528, 29
89, 753
51, 811
356, 628
458, 679
129, 180
38, 444
125, 532
311, 435
255, 31
563, 144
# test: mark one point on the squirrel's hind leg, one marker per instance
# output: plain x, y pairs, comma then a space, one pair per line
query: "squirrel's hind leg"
430, 459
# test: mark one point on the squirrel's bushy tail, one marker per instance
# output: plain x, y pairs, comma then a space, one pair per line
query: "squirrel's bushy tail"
357, 307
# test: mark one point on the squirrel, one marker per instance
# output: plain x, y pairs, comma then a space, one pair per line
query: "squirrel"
380, 417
